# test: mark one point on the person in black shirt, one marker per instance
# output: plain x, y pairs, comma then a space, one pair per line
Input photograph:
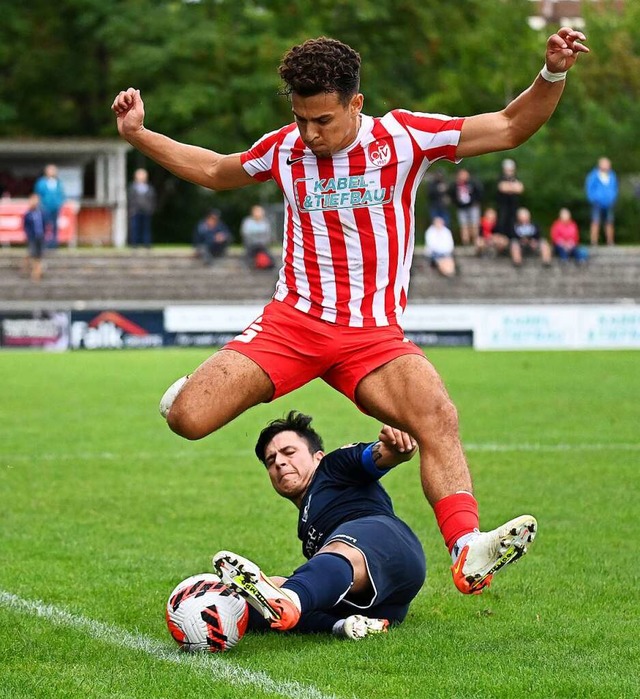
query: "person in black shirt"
510, 190
439, 197
466, 193
361, 556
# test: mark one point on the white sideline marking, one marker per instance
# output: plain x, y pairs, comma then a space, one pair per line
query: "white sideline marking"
471, 446
215, 667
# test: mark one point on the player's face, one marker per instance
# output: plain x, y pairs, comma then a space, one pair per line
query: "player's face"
326, 124
290, 464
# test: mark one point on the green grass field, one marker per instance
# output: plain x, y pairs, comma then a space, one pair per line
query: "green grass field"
103, 510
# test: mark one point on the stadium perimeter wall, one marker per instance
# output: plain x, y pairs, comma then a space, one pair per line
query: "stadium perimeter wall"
482, 326
91, 299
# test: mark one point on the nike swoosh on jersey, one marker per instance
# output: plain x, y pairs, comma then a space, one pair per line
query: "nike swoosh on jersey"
293, 161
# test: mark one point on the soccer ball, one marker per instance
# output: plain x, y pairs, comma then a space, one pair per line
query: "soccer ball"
204, 614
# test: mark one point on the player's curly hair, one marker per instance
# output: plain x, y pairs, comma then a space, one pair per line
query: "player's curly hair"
294, 422
321, 65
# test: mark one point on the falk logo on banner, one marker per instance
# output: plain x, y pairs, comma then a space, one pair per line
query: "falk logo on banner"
115, 330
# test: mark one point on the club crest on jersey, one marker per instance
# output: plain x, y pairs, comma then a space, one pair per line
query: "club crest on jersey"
379, 153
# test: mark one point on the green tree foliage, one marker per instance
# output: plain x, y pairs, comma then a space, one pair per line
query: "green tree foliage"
207, 73
597, 116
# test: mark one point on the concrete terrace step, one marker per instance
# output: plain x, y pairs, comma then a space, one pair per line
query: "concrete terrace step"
146, 276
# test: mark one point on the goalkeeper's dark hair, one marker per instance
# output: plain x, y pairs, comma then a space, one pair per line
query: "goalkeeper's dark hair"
293, 422
321, 65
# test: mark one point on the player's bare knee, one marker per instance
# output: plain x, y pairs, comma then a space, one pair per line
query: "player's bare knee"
441, 418
448, 415
185, 423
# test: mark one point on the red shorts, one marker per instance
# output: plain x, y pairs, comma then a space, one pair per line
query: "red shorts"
293, 348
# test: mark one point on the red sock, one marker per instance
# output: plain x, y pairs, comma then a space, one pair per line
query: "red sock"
456, 515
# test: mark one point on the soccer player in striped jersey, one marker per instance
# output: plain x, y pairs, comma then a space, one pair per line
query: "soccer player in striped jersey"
349, 182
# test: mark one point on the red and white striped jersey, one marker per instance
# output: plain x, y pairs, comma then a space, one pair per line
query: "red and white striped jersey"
349, 219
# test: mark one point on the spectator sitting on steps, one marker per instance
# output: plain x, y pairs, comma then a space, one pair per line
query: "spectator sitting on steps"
211, 237
565, 237
490, 238
439, 247
255, 231
526, 239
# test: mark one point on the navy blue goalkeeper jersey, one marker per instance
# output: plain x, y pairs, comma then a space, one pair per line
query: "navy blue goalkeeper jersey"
345, 487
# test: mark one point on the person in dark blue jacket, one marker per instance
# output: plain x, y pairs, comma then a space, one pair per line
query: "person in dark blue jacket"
211, 237
34, 228
365, 565
601, 187
51, 192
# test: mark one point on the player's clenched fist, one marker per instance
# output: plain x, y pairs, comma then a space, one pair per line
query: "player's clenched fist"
129, 110
563, 49
397, 440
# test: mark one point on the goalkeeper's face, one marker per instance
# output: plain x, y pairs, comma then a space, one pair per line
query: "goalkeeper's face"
290, 464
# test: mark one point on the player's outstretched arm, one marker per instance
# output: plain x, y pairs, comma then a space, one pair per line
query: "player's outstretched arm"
521, 118
191, 163
393, 447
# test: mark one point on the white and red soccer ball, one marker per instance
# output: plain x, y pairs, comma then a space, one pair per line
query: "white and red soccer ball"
204, 614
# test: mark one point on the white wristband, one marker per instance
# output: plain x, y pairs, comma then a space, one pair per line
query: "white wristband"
550, 77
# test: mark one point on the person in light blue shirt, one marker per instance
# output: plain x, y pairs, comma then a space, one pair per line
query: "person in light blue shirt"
51, 192
601, 187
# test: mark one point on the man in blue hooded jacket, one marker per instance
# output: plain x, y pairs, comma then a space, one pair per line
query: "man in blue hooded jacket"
601, 186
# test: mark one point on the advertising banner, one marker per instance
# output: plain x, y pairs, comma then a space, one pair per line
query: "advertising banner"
441, 338
200, 326
207, 326
610, 327
227, 318
485, 327
37, 330
116, 329
420, 317
558, 327
187, 339
528, 327
439, 325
